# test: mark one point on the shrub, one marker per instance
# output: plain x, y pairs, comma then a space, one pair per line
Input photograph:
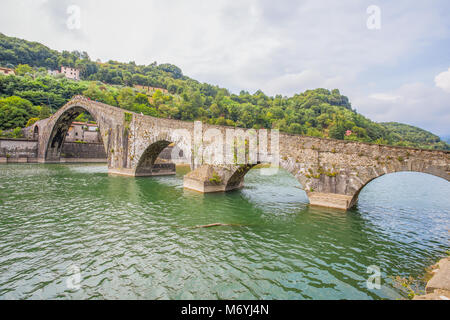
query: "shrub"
128, 117
31, 121
17, 133
215, 178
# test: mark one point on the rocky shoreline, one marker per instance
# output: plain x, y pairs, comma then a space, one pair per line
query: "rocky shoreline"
438, 287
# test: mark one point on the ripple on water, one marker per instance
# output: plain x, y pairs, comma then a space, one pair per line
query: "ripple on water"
131, 238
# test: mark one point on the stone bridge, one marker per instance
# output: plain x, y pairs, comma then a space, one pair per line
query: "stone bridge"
332, 172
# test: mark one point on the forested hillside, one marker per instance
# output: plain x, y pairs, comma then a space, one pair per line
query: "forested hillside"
33, 94
408, 135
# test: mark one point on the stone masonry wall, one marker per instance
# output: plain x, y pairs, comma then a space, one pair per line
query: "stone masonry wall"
13, 150
83, 150
18, 148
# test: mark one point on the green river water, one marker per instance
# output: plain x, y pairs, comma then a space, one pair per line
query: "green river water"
130, 238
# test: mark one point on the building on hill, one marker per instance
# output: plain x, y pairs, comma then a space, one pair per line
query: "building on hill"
71, 73
7, 71
53, 72
148, 89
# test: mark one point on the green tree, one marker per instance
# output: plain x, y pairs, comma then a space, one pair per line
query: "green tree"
336, 131
141, 99
23, 69
44, 112
15, 112
17, 132
158, 98
295, 128
126, 98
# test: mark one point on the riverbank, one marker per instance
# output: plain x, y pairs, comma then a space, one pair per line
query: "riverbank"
438, 287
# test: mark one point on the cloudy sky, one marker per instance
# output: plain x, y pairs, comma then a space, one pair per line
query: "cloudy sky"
397, 72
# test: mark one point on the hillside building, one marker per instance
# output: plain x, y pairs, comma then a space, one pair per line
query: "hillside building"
7, 71
69, 72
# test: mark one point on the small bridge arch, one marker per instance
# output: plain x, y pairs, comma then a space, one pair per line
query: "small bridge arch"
436, 171
36, 132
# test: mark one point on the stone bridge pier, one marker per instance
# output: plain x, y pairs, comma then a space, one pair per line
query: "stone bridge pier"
216, 178
332, 172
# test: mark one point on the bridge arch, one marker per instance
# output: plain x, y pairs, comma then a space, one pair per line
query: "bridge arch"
148, 163
36, 132
436, 171
110, 121
218, 178
60, 129
236, 180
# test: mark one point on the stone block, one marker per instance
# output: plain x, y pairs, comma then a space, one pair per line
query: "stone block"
441, 278
330, 200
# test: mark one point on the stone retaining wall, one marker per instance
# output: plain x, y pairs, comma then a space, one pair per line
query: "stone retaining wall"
18, 148
26, 151
83, 150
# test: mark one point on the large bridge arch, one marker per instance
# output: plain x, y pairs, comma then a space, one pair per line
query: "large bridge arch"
340, 187
110, 121
60, 130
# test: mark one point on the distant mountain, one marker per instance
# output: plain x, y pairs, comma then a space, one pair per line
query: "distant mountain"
446, 138
407, 135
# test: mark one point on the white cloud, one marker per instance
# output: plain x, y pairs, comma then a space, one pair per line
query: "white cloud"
442, 80
384, 97
415, 103
304, 80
